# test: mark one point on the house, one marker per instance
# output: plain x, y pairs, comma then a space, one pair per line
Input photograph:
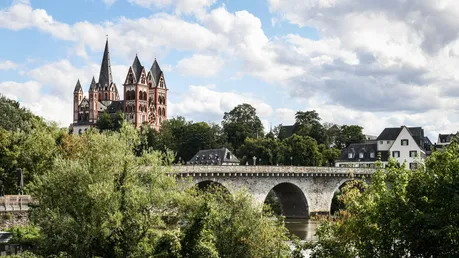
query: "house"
444, 140
405, 144
214, 157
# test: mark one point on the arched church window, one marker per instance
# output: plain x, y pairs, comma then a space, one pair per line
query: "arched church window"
143, 79
130, 79
113, 96
106, 96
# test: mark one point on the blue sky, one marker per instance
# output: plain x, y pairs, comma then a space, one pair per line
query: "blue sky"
355, 62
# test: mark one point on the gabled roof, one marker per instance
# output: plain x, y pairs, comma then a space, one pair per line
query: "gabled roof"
389, 133
78, 87
288, 130
92, 87
137, 68
105, 76
155, 73
213, 157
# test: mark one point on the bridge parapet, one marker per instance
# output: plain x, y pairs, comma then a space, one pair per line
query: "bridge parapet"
271, 171
15, 202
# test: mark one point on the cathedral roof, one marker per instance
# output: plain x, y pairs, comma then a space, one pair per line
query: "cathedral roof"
137, 68
92, 87
105, 76
78, 87
155, 72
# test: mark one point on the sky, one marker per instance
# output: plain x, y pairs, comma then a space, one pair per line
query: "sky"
372, 63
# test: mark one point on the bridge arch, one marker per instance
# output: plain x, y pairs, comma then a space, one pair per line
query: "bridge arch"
333, 204
206, 185
293, 202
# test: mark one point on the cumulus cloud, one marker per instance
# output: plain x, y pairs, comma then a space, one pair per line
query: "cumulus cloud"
204, 103
200, 65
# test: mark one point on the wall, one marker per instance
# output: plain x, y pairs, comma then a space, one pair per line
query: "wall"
405, 150
385, 145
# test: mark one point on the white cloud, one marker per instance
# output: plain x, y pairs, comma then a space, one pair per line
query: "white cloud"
204, 103
8, 65
200, 65
197, 7
30, 96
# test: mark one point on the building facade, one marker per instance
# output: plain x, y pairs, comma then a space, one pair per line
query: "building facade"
145, 96
405, 144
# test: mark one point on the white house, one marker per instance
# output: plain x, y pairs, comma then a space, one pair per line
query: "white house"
406, 144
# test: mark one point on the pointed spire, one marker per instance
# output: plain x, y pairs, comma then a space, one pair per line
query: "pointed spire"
92, 87
137, 67
156, 72
105, 76
78, 87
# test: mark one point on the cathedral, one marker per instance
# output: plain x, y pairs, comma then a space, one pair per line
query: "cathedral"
145, 96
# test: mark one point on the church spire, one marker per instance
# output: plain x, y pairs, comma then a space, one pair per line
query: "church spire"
105, 76
78, 87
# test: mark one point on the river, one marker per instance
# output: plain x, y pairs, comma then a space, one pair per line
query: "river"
305, 229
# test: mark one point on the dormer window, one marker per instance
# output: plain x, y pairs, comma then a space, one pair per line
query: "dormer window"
350, 155
361, 155
372, 155
228, 155
404, 142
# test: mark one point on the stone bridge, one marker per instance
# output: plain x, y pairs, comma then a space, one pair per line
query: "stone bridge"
302, 191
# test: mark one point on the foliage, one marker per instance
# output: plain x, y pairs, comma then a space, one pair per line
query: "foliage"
304, 151
28, 236
16, 118
241, 122
350, 134
105, 201
109, 122
221, 225
402, 213
329, 156
269, 150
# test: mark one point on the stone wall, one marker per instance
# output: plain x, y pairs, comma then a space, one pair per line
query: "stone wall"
13, 218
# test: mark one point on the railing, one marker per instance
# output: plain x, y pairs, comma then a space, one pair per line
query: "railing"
15, 202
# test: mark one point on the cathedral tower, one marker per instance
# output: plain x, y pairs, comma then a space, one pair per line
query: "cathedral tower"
93, 102
157, 97
106, 88
135, 94
77, 98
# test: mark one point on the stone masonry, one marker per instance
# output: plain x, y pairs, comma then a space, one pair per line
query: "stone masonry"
302, 191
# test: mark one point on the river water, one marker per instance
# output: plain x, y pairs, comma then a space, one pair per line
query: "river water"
305, 229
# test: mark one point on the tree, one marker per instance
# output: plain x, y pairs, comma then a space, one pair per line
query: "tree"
350, 134
303, 151
222, 225
241, 122
109, 122
13, 117
402, 213
105, 201
329, 156
269, 150
308, 124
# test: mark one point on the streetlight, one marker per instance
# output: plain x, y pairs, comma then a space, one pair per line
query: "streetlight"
291, 161
254, 160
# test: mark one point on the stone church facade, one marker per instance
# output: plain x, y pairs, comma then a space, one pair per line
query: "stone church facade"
145, 96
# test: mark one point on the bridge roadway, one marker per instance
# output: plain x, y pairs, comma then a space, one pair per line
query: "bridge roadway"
302, 191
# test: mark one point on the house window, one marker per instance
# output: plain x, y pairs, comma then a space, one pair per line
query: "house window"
387, 142
413, 154
372, 155
350, 155
396, 154
381, 142
404, 142
361, 155
106, 96
413, 165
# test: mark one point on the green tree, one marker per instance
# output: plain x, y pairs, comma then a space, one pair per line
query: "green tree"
304, 151
329, 156
350, 134
221, 225
111, 122
241, 122
269, 150
13, 117
308, 124
402, 213
106, 201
